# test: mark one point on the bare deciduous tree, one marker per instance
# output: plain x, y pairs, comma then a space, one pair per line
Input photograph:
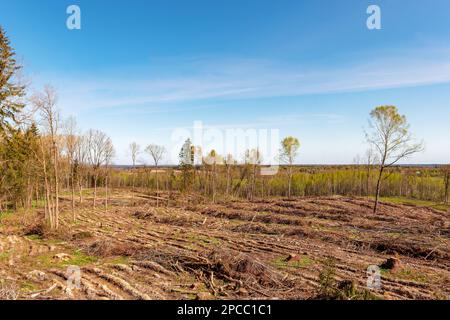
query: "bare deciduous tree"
370, 160
109, 154
391, 139
71, 140
156, 153
46, 104
100, 151
135, 150
81, 159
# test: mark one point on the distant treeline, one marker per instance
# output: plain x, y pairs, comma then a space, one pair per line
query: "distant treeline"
418, 182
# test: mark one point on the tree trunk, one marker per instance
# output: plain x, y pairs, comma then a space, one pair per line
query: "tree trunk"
214, 182
377, 194
447, 185
253, 185
133, 182
289, 181
55, 165
80, 185
228, 179
95, 190
48, 215
37, 195
73, 195
106, 191
157, 185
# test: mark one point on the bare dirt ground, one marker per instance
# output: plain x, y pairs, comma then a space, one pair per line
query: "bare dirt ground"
266, 249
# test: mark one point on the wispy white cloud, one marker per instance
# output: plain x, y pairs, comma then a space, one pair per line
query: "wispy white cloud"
277, 121
246, 79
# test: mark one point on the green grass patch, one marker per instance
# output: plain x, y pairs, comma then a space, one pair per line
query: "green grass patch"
38, 203
198, 238
303, 262
118, 260
77, 258
34, 237
406, 274
80, 259
4, 256
28, 286
415, 202
413, 275
6, 214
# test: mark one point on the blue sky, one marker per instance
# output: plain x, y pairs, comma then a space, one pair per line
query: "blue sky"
139, 70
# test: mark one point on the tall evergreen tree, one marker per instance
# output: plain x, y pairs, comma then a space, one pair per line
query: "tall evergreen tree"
19, 166
10, 92
187, 160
